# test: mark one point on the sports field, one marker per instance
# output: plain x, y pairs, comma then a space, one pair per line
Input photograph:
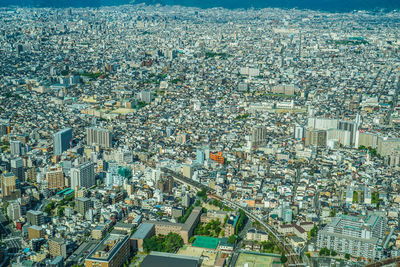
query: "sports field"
257, 260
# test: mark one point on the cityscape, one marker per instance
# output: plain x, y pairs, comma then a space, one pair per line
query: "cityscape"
166, 135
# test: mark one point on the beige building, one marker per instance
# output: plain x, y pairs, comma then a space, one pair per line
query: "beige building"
184, 230
315, 137
57, 247
35, 232
8, 184
55, 178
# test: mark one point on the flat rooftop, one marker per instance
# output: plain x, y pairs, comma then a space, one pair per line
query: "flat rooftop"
168, 259
107, 248
142, 231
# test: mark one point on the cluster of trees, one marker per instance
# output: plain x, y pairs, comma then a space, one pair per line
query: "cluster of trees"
242, 117
327, 252
92, 75
314, 231
241, 221
375, 198
283, 258
219, 204
232, 239
212, 229
269, 247
202, 194
169, 243
49, 207
370, 150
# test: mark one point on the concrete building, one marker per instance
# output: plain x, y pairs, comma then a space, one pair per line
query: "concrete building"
259, 136
83, 175
55, 178
99, 136
16, 148
315, 137
8, 184
35, 232
112, 251
360, 237
14, 211
82, 205
57, 247
184, 230
17, 168
35, 217
145, 230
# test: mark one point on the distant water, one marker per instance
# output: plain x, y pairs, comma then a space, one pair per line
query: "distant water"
325, 5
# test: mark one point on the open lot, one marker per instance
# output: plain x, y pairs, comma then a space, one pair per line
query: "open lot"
208, 255
257, 260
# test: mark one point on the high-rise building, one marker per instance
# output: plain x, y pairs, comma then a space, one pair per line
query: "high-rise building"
55, 178
83, 175
187, 171
200, 156
357, 236
16, 148
4, 129
8, 184
57, 247
62, 141
186, 200
35, 217
259, 136
82, 205
14, 211
315, 137
17, 167
99, 136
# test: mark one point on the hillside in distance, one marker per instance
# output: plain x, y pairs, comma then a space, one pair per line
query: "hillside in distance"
325, 5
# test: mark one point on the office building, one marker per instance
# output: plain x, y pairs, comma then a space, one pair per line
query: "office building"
62, 141
55, 178
8, 184
112, 251
83, 175
99, 136
35, 217
360, 237
57, 247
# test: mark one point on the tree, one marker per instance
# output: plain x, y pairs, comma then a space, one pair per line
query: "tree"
347, 256
169, 243
283, 258
314, 231
60, 211
192, 239
333, 253
232, 239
